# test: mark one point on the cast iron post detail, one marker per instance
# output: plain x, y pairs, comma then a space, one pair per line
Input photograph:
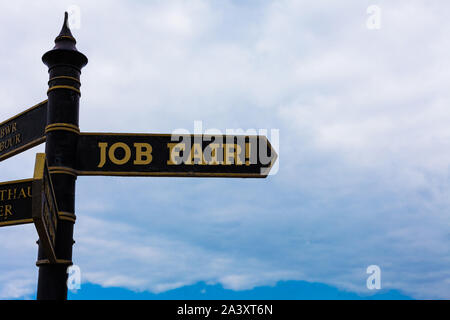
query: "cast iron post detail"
64, 64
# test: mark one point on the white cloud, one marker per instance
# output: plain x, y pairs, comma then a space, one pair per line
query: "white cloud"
363, 122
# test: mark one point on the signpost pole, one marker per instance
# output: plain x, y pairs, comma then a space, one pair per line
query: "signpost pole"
64, 62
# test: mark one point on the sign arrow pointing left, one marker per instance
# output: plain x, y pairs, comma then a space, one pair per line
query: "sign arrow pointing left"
23, 131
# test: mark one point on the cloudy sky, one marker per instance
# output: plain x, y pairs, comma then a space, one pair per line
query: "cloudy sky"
364, 141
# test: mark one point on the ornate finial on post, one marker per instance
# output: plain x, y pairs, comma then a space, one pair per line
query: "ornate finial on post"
65, 47
65, 33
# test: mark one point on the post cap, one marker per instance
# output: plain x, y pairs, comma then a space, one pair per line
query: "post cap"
65, 51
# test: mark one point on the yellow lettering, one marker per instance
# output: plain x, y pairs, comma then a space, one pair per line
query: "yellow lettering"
22, 194
5, 211
229, 151
8, 143
147, 154
247, 154
237, 155
102, 146
214, 147
196, 154
8, 210
12, 193
112, 155
7, 130
174, 153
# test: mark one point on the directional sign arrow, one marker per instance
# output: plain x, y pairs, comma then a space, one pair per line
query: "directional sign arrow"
45, 209
16, 202
23, 131
32, 200
121, 154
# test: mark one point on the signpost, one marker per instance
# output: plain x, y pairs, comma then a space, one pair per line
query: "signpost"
48, 199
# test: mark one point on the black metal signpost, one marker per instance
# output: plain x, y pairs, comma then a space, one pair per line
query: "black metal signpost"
48, 199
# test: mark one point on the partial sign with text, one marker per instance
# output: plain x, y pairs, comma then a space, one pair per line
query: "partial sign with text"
23, 131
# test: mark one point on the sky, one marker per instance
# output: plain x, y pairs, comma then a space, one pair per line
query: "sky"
361, 112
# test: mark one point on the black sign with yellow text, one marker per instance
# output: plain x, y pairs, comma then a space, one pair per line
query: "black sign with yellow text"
16, 202
121, 154
23, 131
